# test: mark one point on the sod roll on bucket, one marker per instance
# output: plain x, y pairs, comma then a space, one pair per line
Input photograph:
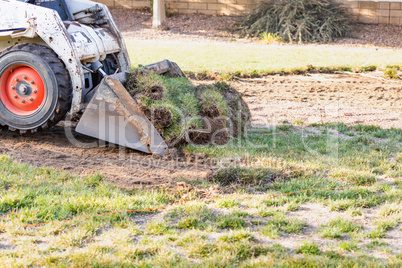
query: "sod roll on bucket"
184, 113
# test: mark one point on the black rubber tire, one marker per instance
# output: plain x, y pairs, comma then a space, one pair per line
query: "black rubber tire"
57, 83
110, 66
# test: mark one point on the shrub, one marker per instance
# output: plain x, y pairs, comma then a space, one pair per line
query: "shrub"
297, 20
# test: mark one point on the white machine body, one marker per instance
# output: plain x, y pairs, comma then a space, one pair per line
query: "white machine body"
76, 39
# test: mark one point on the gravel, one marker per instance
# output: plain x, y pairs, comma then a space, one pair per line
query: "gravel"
378, 35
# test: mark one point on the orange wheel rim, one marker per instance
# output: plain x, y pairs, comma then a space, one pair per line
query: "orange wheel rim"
22, 90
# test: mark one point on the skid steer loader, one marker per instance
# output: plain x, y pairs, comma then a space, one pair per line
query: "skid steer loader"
67, 56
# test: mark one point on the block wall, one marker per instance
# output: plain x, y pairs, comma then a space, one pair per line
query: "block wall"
226, 7
362, 11
376, 11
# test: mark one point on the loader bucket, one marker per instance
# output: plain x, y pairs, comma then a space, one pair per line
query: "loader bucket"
112, 115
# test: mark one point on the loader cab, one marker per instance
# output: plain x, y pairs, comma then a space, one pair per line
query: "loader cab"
58, 5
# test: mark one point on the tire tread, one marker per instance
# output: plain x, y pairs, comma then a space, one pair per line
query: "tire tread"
63, 83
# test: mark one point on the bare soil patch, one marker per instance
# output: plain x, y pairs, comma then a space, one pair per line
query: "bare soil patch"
126, 169
348, 98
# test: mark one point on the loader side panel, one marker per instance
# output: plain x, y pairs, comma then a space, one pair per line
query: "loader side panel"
77, 7
60, 6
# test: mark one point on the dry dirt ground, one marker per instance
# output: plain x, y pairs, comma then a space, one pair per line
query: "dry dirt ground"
127, 169
348, 98
353, 99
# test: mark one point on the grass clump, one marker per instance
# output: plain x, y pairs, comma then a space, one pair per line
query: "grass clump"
228, 203
377, 233
190, 237
234, 220
376, 244
235, 246
392, 72
194, 216
337, 227
389, 209
297, 20
388, 223
341, 204
237, 236
202, 249
365, 69
390, 218
309, 248
244, 176
279, 224
157, 228
270, 38
348, 246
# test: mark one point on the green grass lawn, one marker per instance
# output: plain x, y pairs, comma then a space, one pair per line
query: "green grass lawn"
249, 58
228, 232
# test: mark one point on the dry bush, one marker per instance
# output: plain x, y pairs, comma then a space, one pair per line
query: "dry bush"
297, 20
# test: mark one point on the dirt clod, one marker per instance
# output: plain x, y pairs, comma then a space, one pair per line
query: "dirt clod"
140, 84
155, 92
210, 111
162, 118
214, 132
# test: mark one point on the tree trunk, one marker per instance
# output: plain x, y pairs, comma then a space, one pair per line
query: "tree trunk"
159, 15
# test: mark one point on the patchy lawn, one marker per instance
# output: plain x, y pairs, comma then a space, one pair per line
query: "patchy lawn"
351, 227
